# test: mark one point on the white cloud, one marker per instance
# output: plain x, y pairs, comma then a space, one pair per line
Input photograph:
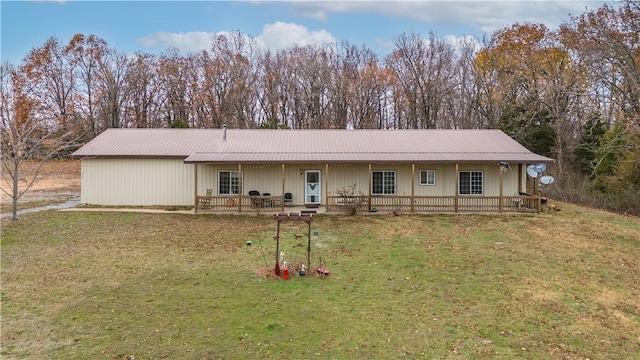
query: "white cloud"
280, 35
486, 16
192, 41
458, 41
276, 36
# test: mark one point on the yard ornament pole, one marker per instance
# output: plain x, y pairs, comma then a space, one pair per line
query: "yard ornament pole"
277, 268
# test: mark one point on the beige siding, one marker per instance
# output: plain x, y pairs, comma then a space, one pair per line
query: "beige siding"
344, 176
171, 182
445, 180
137, 182
510, 181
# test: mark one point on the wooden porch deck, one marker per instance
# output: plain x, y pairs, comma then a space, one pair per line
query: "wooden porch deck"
374, 204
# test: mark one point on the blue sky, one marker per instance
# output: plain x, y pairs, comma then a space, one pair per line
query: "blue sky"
153, 26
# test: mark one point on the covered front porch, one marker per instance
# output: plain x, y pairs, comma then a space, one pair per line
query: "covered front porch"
502, 192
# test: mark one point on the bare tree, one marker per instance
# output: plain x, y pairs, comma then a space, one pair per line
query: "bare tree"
461, 106
174, 97
52, 82
86, 53
142, 87
113, 90
310, 73
366, 87
489, 92
607, 43
24, 137
272, 97
424, 68
229, 82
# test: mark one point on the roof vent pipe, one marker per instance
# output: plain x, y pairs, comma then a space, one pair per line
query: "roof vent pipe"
224, 132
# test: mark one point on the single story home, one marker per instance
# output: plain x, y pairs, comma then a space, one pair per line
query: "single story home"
242, 170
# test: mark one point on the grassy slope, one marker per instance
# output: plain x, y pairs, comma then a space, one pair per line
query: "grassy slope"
559, 285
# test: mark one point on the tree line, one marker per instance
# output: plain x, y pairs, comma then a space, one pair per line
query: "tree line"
572, 94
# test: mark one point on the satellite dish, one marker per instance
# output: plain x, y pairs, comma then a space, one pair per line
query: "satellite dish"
531, 171
540, 167
546, 180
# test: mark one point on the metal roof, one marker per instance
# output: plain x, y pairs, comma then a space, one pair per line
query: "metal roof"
306, 146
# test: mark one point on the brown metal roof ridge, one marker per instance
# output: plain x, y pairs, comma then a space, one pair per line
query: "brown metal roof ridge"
325, 145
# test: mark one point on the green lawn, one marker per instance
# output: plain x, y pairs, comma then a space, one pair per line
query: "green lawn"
558, 285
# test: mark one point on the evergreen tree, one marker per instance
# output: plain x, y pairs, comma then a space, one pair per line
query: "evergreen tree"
585, 151
530, 125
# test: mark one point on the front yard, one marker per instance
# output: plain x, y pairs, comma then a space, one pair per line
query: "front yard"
86, 285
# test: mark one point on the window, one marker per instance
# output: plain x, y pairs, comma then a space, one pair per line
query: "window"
470, 182
427, 177
228, 183
383, 182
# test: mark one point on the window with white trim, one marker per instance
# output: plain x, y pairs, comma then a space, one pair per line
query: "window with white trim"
427, 177
383, 182
470, 182
228, 182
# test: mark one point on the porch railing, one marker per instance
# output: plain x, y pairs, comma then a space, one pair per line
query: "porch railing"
238, 203
399, 204
435, 204
348, 203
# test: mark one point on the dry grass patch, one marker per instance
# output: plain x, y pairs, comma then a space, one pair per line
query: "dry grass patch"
57, 181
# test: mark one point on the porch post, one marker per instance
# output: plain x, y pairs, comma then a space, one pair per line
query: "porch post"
326, 187
413, 186
370, 184
282, 203
455, 198
240, 187
500, 197
195, 186
536, 191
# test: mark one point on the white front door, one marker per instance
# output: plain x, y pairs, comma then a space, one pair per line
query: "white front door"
312, 191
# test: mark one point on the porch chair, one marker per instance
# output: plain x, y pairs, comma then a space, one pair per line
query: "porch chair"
267, 202
205, 203
288, 199
255, 200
